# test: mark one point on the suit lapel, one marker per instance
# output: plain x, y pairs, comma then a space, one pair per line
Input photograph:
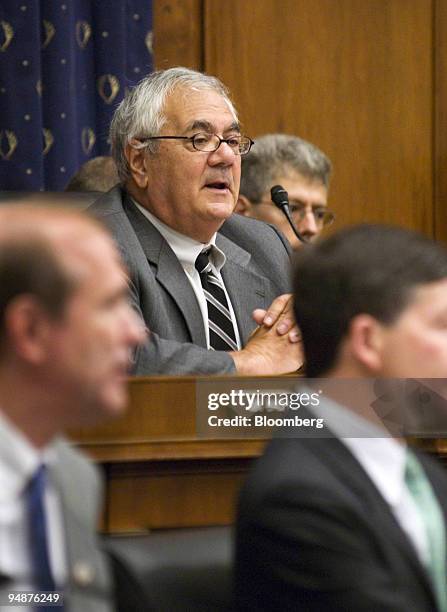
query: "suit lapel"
168, 271
378, 514
247, 289
172, 277
86, 569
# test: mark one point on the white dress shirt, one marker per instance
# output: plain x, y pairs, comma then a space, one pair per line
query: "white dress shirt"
18, 462
383, 459
187, 250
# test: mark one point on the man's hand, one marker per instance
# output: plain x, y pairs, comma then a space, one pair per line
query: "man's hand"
280, 315
269, 352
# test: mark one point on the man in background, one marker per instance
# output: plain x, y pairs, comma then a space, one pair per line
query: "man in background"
97, 174
202, 278
66, 334
353, 519
303, 170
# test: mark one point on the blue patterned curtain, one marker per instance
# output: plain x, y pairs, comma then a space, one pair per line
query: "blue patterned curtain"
64, 66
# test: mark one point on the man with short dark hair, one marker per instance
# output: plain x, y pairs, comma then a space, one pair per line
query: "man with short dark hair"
202, 278
351, 519
302, 169
66, 335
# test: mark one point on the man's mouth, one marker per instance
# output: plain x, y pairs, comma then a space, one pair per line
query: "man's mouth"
218, 185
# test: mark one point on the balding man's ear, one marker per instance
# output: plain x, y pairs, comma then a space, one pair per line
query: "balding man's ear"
243, 206
136, 158
364, 339
27, 328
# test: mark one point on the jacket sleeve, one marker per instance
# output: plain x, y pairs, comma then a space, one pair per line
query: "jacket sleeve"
298, 550
160, 356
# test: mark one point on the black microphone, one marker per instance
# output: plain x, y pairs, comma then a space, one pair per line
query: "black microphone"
280, 198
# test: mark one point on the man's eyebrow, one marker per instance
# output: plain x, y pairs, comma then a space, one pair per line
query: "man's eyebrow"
205, 126
303, 203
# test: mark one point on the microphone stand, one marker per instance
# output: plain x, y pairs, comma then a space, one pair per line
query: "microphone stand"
280, 198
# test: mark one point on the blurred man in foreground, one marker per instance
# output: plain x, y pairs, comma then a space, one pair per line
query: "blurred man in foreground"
303, 170
201, 278
353, 520
66, 334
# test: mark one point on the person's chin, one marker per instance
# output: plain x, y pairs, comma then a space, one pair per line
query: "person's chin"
297, 244
114, 400
221, 209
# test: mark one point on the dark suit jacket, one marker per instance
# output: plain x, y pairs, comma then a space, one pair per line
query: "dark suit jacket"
314, 534
256, 271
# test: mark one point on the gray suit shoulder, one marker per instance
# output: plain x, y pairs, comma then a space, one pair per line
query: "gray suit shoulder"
68, 454
108, 203
241, 230
78, 478
246, 232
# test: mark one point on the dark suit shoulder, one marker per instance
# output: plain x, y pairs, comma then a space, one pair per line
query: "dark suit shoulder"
297, 467
314, 534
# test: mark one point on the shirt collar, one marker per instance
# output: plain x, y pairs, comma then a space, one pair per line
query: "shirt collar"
185, 248
19, 459
381, 456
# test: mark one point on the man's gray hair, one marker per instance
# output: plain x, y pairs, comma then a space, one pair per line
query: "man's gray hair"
275, 155
141, 112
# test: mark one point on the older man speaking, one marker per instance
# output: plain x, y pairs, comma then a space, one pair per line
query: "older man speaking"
201, 278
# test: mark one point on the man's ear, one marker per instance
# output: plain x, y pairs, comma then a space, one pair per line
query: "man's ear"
137, 160
243, 206
27, 327
365, 340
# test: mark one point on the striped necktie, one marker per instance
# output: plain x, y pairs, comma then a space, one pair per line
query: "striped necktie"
427, 503
220, 324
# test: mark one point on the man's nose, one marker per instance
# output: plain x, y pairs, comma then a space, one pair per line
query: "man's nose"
224, 154
135, 329
308, 224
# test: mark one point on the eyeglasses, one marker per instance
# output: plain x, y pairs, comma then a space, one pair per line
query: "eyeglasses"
322, 215
240, 145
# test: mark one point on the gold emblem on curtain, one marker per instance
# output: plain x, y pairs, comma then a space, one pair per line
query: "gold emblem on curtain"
48, 140
108, 87
83, 33
88, 139
8, 35
8, 144
48, 32
148, 41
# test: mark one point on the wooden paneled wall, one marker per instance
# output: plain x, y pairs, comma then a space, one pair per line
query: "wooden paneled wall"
365, 80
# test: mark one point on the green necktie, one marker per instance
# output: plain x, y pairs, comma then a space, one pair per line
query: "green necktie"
433, 518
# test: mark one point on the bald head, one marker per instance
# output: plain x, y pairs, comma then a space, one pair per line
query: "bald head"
42, 253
